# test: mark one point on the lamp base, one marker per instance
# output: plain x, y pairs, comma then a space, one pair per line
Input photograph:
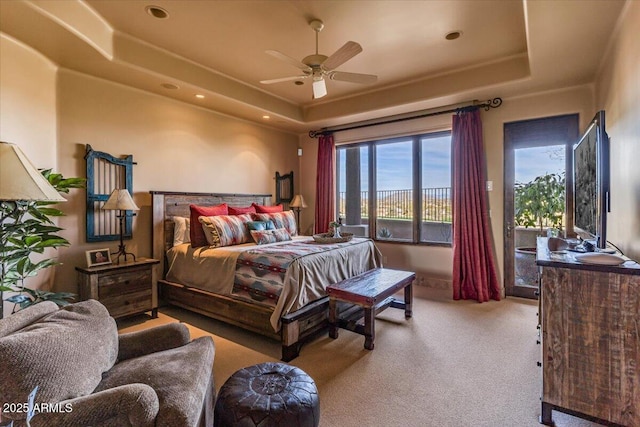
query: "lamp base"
122, 253
121, 249
298, 219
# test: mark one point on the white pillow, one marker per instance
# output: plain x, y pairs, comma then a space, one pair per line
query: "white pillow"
181, 230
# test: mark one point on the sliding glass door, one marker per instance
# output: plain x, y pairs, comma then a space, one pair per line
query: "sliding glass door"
537, 175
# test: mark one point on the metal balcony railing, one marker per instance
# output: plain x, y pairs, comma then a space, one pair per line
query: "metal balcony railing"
398, 204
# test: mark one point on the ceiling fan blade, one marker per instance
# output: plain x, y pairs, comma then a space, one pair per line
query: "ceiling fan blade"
289, 60
319, 89
342, 55
283, 79
353, 77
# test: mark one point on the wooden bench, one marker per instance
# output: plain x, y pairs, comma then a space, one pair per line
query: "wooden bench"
372, 291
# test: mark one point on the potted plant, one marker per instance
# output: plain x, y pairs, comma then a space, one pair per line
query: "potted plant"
539, 203
27, 227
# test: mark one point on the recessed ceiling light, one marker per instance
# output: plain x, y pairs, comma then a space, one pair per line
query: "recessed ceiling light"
298, 82
200, 96
169, 86
266, 117
157, 12
453, 35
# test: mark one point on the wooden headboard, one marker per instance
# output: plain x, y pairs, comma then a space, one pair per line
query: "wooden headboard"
167, 204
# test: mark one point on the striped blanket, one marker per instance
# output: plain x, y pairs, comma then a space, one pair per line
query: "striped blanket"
260, 272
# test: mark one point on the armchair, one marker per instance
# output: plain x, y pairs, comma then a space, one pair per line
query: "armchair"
89, 375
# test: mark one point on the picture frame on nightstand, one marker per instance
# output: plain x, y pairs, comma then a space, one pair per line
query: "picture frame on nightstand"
98, 257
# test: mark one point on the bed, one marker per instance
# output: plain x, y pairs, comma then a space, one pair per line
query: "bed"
216, 282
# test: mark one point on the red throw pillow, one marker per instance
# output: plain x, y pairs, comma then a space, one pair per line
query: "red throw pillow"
242, 210
267, 209
196, 233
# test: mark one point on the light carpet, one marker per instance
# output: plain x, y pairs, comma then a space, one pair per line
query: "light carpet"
455, 363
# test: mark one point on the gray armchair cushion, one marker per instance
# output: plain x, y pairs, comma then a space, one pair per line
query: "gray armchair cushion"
180, 377
147, 341
127, 405
22, 318
64, 353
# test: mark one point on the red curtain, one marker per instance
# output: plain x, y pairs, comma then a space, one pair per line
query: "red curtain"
325, 200
474, 273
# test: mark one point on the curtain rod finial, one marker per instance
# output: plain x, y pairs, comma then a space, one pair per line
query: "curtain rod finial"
492, 103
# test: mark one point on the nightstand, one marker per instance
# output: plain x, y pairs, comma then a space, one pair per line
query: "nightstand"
125, 289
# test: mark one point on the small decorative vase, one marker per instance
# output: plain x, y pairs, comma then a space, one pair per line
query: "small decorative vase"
336, 232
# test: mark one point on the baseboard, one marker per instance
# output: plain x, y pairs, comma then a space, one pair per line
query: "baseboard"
433, 282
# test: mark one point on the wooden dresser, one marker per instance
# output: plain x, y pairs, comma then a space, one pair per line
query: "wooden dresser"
590, 336
125, 289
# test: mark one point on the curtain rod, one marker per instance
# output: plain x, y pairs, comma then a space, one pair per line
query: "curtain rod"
487, 105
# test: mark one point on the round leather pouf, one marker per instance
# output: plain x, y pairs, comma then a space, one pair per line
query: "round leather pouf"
268, 395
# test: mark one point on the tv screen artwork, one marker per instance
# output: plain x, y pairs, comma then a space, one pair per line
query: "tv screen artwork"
586, 183
591, 182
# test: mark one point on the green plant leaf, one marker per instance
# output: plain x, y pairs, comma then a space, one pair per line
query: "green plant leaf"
27, 228
50, 211
18, 299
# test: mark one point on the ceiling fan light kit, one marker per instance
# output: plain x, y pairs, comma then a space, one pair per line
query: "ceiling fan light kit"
320, 66
319, 89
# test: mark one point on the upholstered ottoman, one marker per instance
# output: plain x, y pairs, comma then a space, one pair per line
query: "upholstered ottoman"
268, 395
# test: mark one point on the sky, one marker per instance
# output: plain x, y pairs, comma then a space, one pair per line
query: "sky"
536, 161
394, 164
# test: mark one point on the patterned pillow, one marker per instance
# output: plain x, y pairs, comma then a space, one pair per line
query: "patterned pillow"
225, 230
262, 237
260, 225
284, 219
268, 209
196, 234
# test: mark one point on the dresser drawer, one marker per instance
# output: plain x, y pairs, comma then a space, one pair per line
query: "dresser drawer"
129, 303
111, 285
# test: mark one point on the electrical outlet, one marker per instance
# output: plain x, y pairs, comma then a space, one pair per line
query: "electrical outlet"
489, 185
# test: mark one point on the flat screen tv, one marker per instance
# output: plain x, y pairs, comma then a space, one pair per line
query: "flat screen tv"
591, 183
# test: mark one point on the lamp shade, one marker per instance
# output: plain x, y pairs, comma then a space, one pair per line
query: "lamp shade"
21, 180
120, 199
298, 202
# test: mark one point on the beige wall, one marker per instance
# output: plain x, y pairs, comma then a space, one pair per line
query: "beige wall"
28, 113
618, 93
28, 101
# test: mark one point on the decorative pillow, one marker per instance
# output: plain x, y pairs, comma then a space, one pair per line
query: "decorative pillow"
225, 230
262, 237
284, 219
64, 353
181, 230
267, 209
260, 225
196, 234
241, 210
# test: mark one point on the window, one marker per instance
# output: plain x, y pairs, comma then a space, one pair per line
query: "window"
397, 189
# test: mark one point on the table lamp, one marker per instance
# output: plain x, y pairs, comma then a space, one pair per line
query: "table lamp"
298, 203
121, 200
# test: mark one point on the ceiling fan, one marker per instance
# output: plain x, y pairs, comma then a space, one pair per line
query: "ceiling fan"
318, 66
